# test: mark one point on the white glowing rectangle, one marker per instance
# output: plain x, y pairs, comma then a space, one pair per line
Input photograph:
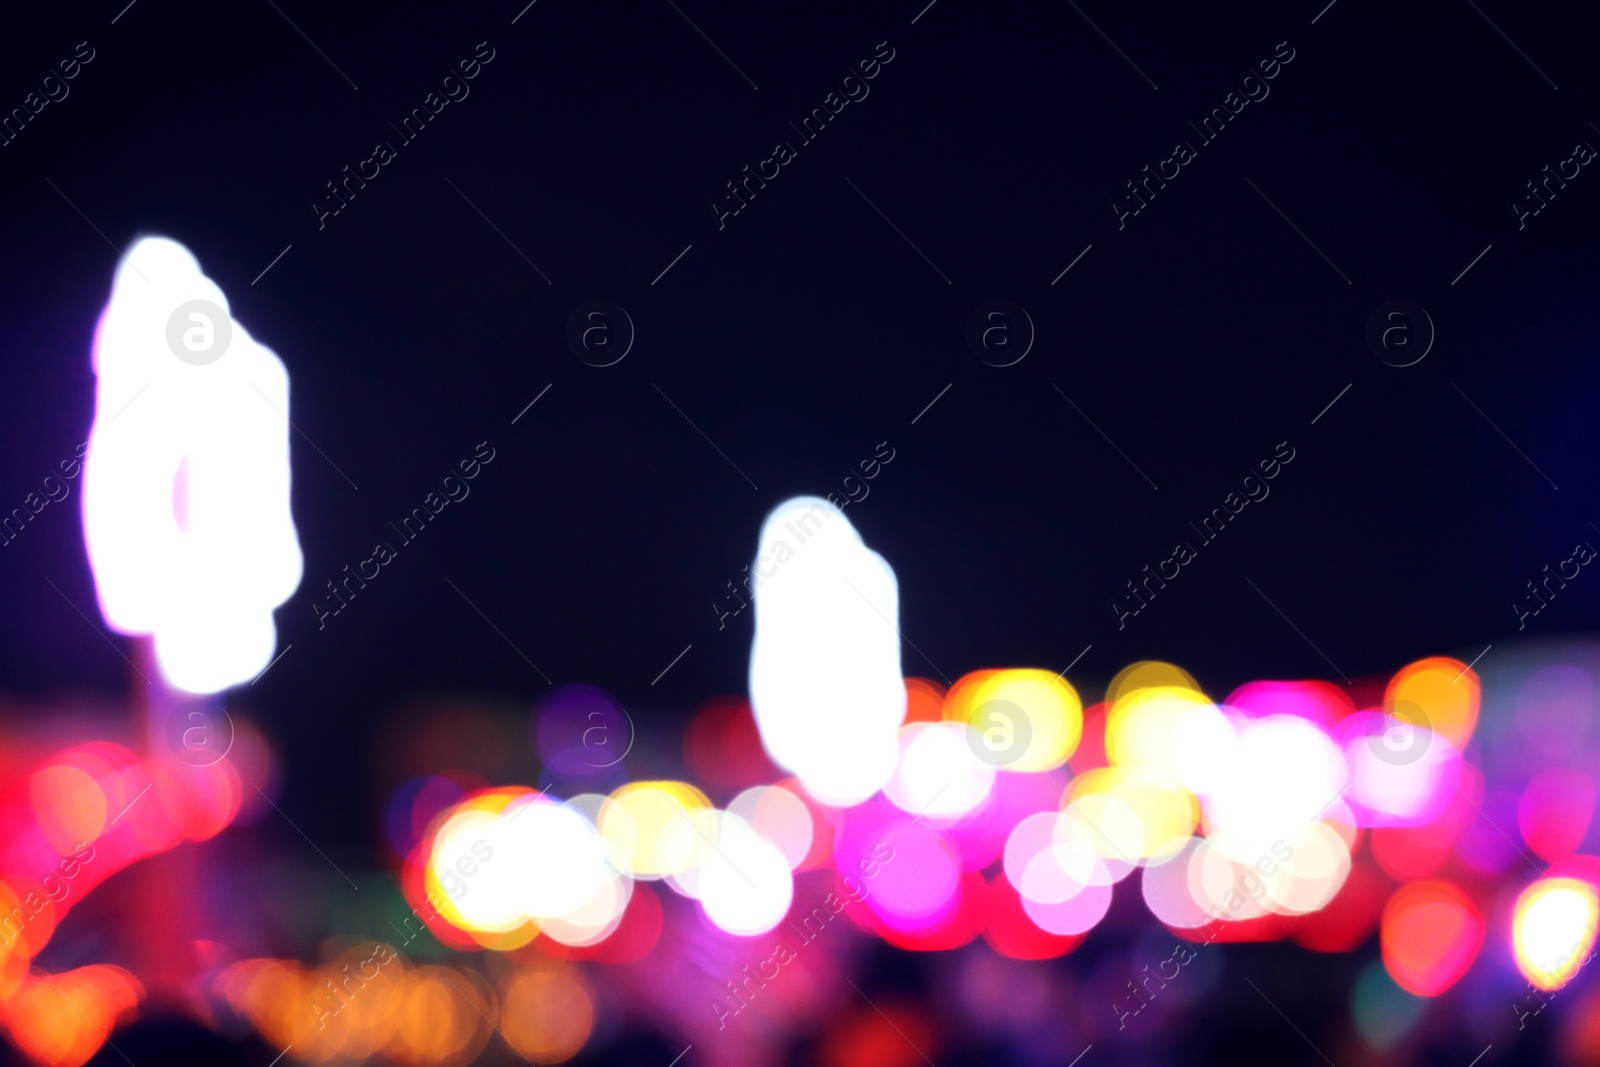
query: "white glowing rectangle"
825, 681
186, 487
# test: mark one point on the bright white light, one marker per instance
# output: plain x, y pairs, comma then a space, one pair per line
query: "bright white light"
1222, 888
938, 775
1175, 731
478, 873
825, 677
1107, 826
744, 883
563, 863
1033, 835
1201, 744
533, 860
1051, 857
1087, 828
1283, 773
1059, 873
1553, 929
780, 817
595, 919
186, 485
1074, 915
1401, 792
1313, 874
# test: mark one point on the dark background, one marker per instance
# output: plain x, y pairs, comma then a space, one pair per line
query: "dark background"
808, 330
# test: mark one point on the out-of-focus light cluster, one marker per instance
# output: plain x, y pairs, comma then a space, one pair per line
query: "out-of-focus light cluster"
999, 807
63, 1019
79, 818
1285, 811
367, 1003
1243, 817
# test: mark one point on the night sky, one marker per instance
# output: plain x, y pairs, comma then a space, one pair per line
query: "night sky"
778, 348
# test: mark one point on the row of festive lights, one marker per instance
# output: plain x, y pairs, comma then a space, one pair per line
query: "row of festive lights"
1243, 819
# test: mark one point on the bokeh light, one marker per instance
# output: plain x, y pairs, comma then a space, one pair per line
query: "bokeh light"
1555, 811
938, 775
1052, 715
780, 816
1553, 929
1446, 690
546, 1015
1431, 932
